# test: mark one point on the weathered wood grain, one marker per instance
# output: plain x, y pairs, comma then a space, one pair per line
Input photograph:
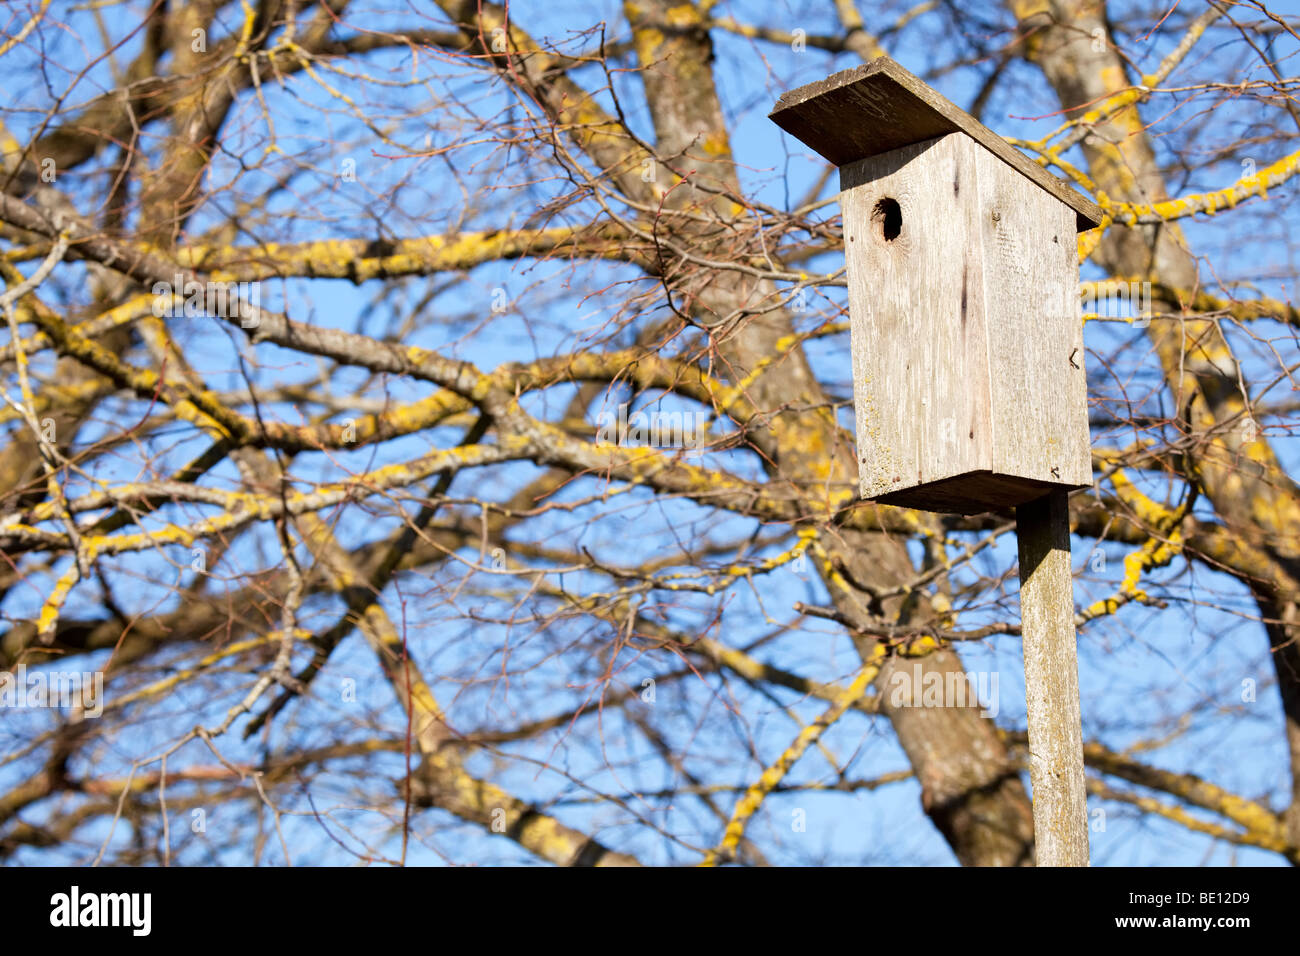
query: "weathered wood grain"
1035, 332
880, 106
1052, 682
920, 357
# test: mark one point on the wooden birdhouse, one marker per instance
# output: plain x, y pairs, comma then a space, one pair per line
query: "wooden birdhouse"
963, 296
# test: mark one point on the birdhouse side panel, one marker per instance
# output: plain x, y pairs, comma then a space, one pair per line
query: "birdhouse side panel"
1039, 392
917, 314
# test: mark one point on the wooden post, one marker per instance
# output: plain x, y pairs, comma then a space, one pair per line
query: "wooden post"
1052, 682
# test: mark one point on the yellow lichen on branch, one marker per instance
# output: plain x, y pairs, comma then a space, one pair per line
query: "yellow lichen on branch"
753, 798
361, 260
1165, 544
1207, 202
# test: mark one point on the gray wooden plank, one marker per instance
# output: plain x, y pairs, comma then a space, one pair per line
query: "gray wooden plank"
1052, 682
1035, 332
916, 308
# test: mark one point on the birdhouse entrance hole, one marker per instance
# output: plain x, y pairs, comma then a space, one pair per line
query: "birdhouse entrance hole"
890, 216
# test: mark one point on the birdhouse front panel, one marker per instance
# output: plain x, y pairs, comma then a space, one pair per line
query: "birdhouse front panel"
967, 343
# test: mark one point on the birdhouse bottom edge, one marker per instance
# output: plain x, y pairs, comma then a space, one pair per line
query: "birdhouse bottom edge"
971, 493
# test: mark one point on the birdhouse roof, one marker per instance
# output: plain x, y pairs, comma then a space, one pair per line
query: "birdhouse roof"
880, 106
